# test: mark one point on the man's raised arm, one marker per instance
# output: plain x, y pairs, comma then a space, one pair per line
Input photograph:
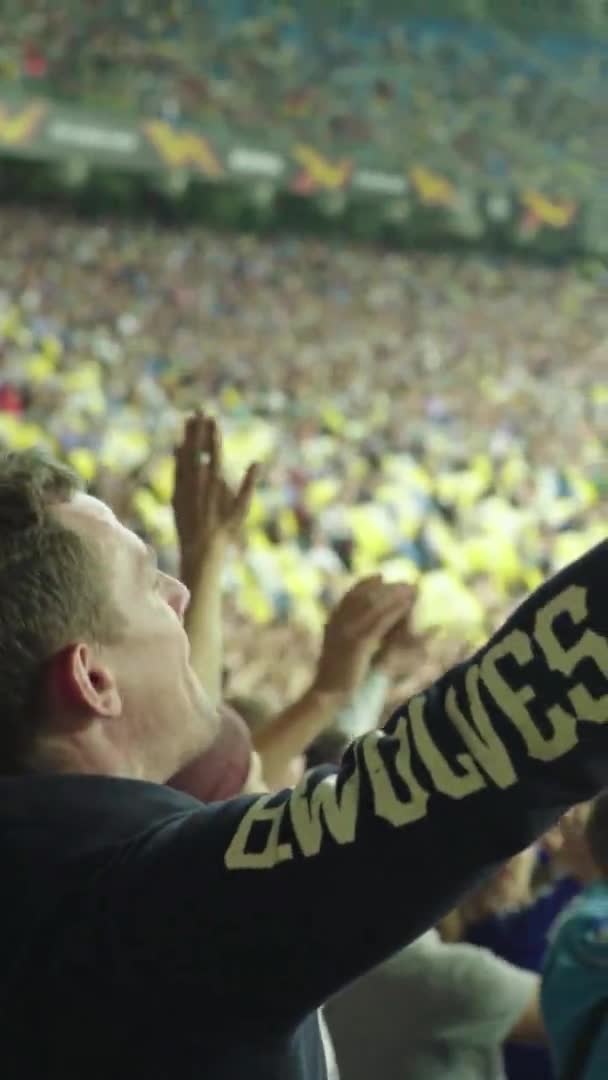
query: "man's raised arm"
290, 896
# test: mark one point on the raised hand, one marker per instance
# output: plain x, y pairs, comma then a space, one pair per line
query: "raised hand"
575, 854
355, 631
401, 640
208, 513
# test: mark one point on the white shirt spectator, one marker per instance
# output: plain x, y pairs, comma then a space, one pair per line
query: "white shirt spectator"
432, 1012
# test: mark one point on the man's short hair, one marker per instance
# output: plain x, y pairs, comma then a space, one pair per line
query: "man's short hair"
53, 593
596, 832
253, 711
328, 748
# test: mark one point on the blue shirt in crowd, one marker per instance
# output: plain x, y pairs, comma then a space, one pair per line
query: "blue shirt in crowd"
521, 937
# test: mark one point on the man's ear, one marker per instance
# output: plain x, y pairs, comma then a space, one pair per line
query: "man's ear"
82, 686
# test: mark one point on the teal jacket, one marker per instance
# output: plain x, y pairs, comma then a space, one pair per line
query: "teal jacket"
576, 978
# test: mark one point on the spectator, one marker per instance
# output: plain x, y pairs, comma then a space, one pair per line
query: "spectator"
439, 1008
513, 919
574, 979
434, 1011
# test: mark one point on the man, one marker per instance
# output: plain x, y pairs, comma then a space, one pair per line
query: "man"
146, 934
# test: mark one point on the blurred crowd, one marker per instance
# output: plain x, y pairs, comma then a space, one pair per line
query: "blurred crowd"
441, 420
484, 101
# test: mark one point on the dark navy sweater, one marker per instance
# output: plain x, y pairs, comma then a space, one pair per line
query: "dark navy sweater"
147, 935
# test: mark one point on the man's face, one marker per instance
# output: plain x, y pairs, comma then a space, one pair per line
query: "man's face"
166, 718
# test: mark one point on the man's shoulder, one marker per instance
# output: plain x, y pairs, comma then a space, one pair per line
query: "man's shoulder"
78, 810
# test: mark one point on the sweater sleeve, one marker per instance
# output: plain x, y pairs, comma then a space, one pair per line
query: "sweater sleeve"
272, 904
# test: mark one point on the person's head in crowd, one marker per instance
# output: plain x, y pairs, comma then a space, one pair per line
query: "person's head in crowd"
568, 845
511, 886
256, 715
254, 712
507, 890
328, 748
95, 673
596, 836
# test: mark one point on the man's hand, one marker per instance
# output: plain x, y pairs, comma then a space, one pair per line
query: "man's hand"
400, 641
354, 633
208, 514
208, 517
574, 854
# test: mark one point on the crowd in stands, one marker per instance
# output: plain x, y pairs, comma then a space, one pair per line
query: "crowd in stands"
441, 420
482, 102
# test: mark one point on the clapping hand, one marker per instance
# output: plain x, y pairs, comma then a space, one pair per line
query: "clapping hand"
355, 632
401, 640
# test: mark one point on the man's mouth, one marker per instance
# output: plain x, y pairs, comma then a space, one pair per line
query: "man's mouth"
221, 771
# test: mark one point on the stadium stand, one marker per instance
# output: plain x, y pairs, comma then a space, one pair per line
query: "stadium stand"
416, 414
482, 99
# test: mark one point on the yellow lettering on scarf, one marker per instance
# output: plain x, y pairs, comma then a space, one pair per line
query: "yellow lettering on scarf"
590, 646
478, 735
443, 776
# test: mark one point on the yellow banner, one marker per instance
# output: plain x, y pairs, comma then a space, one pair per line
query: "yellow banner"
319, 171
183, 149
19, 127
558, 215
431, 188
